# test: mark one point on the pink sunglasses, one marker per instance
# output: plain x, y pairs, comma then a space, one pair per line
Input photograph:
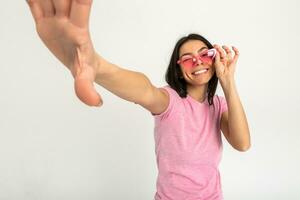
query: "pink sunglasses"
192, 61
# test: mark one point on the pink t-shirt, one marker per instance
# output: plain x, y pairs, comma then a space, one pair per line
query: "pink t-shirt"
188, 149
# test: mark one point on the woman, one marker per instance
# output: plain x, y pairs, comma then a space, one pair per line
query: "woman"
188, 115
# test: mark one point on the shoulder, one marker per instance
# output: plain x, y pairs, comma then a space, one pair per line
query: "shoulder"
172, 101
169, 89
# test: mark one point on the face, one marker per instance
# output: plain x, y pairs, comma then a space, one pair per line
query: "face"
203, 67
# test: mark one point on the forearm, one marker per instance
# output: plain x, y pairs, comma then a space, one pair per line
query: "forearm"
237, 122
128, 85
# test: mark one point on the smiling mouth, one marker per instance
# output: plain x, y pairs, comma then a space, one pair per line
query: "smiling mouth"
199, 72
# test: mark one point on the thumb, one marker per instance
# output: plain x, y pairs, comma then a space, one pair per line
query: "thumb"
84, 88
84, 76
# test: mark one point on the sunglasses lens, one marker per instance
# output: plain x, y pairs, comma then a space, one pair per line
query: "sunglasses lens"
188, 62
207, 56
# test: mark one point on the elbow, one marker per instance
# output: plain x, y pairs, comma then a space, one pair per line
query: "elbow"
244, 144
243, 148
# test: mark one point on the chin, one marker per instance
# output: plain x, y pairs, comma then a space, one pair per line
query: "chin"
201, 80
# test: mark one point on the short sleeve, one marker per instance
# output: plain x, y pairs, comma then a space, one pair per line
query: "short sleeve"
223, 104
172, 100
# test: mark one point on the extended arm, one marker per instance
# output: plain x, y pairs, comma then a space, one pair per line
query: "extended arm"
63, 26
131, 86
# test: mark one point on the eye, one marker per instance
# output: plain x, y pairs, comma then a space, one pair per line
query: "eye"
186, 58
189, 60
204, 52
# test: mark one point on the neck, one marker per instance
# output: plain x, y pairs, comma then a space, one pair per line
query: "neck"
197, 92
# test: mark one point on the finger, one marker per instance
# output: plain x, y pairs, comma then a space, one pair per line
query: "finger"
62, 8
220, 50
217, 57
237, 53
36, 10
228, 51
80, 12
48, 8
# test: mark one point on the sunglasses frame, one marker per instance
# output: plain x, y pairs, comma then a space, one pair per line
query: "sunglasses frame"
211, 53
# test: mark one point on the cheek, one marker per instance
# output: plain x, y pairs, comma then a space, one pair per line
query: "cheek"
185, 70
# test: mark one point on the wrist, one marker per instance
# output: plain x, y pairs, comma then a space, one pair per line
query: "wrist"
226, 80
227, 83
103, 67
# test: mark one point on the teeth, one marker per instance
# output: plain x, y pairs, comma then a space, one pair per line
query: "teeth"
201, 71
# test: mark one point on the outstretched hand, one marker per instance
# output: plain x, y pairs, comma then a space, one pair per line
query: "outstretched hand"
62, 25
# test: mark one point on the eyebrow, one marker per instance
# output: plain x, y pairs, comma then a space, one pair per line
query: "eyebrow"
191, 53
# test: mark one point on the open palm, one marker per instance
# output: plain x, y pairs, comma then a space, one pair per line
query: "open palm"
62, 25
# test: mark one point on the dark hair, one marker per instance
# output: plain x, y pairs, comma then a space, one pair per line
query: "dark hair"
174, 73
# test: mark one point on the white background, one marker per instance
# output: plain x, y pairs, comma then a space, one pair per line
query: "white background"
52, 146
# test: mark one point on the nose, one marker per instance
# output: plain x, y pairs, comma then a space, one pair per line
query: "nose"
199, 61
